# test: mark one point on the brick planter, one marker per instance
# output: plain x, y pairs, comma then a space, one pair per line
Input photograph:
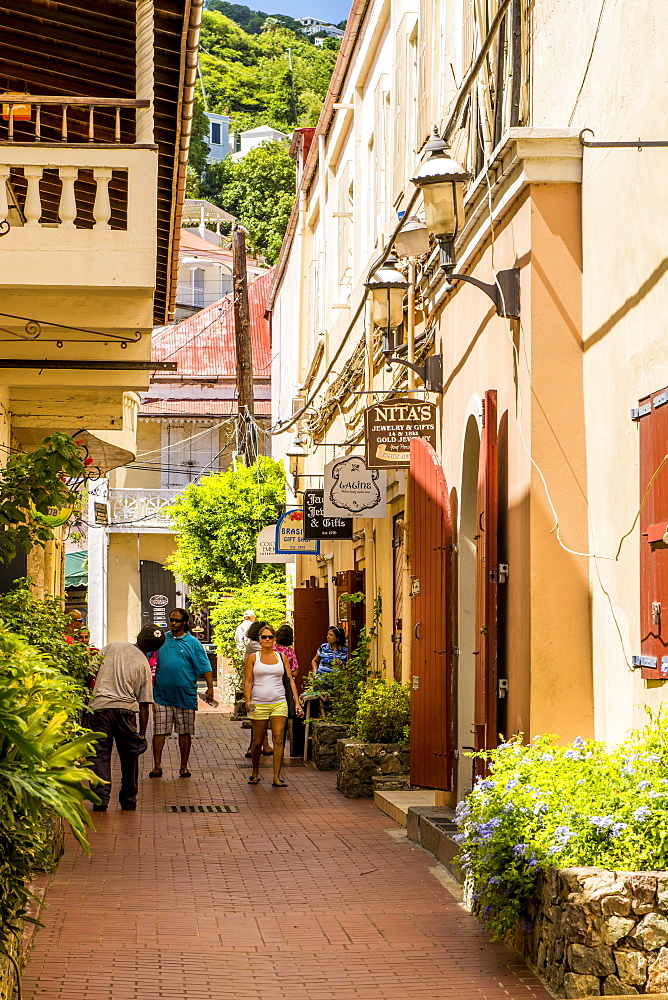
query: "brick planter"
325, 736
358, 762
599, 933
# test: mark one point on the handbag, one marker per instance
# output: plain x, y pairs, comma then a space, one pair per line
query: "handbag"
289, 696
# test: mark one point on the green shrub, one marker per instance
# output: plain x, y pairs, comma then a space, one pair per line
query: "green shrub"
383, 712
545, 805
41, 748
43, 623
267, 599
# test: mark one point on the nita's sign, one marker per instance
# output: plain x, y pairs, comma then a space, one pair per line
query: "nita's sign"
316, 525
389, 428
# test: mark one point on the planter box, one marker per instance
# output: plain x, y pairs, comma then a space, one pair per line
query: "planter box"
358, 762
324, 739
594, 932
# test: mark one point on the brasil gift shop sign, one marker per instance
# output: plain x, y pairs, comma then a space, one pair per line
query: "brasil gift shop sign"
389, 428
290, 535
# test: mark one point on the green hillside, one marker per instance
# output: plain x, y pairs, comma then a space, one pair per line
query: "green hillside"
266, 75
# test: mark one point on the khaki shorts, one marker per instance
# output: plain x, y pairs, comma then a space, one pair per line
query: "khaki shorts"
263, 712
167, 716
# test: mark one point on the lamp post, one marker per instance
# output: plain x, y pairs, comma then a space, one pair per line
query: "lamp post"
296, 451
441, 180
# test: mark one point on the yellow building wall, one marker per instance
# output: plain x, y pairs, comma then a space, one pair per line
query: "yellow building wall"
124, 587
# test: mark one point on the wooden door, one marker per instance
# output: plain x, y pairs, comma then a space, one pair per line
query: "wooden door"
350, 616
311, 624
432, 744
397, 590
653, 550
486, 538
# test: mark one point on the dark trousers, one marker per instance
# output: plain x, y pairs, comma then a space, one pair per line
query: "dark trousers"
118, 726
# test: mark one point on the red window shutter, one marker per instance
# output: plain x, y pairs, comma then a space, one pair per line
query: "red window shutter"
653, 550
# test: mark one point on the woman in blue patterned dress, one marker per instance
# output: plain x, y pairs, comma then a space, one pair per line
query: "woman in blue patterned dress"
334, 649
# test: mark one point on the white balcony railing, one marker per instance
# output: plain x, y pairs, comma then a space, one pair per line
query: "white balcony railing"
140, 510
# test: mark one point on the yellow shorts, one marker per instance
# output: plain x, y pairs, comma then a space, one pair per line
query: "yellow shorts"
263, 712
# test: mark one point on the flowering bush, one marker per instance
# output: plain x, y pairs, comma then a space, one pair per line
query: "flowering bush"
545, 805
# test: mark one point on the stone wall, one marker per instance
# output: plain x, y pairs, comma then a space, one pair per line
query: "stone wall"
358, 762
599, 933
325, 736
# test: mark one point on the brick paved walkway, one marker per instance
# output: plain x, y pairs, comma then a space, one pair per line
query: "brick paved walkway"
301, 895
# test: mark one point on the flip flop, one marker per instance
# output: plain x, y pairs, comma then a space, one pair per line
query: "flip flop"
155, 773
255, 781
280, 783
185, 774
248, 754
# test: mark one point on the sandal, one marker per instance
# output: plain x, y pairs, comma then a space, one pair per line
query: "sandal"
185, 774
248, 754
155, 773
280, 783
255, 780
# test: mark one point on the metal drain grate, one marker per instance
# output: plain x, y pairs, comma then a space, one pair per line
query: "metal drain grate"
268, 763
200, 809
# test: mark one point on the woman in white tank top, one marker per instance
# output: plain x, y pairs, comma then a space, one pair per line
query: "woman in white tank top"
265, 701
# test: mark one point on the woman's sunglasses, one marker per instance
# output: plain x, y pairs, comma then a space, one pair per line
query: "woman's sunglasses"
266, 635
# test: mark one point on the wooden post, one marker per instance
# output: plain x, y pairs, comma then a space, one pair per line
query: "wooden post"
242, 335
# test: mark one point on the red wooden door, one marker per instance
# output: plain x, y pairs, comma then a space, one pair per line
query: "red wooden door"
653, 550
432, 745
311, 624
485, 723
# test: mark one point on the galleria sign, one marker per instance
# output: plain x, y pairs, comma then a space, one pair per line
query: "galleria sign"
389, 428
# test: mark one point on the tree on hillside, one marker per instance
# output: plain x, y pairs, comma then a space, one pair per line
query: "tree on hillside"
250, 73
253, 21
259, 190
199, 149
217, 522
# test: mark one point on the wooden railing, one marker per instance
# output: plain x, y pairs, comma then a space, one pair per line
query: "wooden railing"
69, 119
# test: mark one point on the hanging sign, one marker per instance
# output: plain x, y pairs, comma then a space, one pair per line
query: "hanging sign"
316, 525
389, 428
265, 547
20, 112
290, 536
353, 490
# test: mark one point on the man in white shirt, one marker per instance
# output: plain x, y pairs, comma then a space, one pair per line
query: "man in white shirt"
123, 688
242, 629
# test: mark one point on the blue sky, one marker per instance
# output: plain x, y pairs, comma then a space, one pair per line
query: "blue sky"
331, 11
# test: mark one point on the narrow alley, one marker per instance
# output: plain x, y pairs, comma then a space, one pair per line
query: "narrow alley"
301, 894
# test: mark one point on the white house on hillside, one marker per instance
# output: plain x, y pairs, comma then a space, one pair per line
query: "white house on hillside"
243, 142
313, 26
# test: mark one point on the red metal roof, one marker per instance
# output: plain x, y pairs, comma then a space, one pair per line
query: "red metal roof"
199, 408
203, 345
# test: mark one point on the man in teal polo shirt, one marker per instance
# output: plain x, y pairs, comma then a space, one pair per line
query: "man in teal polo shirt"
180, 662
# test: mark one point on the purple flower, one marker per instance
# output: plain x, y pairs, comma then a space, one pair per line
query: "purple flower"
563, 834
617, 828
642, 813
572, 754
578, 742
508, 808
643, 784
513, 783
519, 850
602, 823
486, 785
547, 756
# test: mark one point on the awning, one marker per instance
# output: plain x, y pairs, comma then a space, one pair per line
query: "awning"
76, 569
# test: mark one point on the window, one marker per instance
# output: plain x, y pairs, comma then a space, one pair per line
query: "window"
653, 550
215, 133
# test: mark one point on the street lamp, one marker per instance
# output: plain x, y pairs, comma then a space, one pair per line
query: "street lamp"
441, 180
387, 287
413, 238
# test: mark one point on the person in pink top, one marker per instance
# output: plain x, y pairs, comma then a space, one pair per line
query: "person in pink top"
284, 640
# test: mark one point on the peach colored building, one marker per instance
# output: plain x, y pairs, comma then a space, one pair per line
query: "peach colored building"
507, 606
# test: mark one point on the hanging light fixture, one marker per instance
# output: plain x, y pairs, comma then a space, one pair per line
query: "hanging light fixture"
413, 238
387, 287
297, 448
441, 180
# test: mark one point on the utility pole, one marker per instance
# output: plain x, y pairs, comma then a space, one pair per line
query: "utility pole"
242, 335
